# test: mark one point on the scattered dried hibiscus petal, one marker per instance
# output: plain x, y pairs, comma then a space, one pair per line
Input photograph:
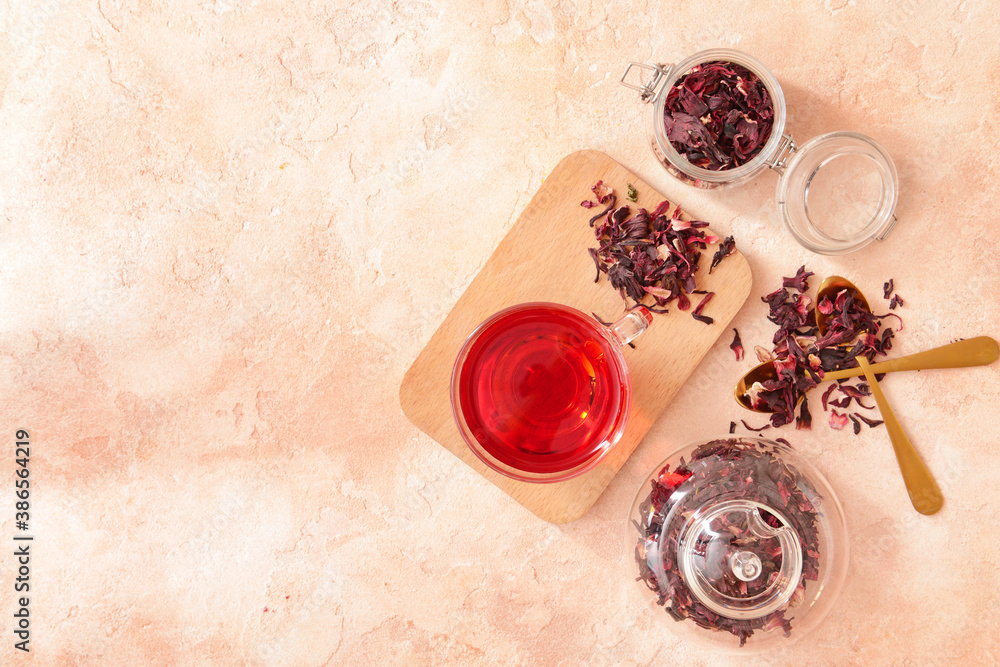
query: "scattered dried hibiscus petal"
649, 254
837, 420
826, 395
605, 195
800, 281
857, 392
755, 430
602, 192
894, 299
718, 115
696, 313
737, 345
804, 420
871, 422
857, 424
726, 248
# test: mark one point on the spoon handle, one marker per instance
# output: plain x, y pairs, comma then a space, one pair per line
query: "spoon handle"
979, 351
924, 492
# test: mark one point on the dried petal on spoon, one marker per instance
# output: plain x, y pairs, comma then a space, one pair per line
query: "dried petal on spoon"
801, 355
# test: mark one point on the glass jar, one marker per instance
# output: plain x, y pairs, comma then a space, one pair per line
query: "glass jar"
739, 544
837, 192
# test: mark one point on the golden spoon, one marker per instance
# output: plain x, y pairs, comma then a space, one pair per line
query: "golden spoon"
979, 351
924, 492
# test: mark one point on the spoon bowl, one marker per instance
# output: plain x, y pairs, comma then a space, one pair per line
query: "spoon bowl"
759, 373
829, 288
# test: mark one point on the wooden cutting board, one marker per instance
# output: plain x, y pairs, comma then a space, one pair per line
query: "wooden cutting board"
544, 258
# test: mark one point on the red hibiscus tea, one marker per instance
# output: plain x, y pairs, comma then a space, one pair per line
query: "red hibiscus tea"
540, 391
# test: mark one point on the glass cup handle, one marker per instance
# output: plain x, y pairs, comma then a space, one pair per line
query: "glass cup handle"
629, 327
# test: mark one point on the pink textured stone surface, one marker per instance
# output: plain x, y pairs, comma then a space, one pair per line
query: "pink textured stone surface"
229, 226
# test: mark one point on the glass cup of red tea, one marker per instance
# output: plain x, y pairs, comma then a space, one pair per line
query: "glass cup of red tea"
541, 391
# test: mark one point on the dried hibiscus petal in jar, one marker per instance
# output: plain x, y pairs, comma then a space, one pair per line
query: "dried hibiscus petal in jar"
718, 115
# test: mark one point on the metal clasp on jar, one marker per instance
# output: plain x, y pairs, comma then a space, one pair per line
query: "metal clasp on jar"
648, 90
782, 153
889, 228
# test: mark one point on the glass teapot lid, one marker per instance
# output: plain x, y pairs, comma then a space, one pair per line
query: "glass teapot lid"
737, 562
741, 541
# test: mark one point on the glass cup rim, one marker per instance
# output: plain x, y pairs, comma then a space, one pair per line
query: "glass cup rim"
600, 451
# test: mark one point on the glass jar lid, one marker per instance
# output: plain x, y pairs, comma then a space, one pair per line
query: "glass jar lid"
838, 192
